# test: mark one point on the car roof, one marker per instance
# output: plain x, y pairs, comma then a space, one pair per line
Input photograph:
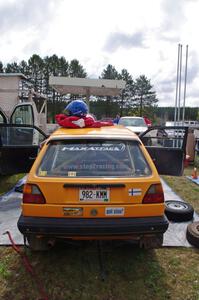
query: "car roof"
113, 132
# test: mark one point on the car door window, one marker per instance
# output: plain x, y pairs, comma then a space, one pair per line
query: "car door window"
21, 135
2, 118
23, 114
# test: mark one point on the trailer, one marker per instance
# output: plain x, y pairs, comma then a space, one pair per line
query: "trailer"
18, 103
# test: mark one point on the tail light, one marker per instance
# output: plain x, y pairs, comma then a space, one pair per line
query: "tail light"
32, 194
154, 194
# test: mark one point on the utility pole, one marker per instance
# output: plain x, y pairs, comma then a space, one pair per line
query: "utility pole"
178, 85
185, 84
177, 82
179, 90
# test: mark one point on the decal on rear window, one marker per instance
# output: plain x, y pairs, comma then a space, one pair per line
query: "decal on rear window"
71, 174
42, 173
93, 147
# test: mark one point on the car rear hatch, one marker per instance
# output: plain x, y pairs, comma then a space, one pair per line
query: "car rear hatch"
97, 178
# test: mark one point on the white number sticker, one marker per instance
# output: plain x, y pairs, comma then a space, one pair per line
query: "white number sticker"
114, 211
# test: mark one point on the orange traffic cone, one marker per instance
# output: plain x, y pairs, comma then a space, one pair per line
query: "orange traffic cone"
194, 173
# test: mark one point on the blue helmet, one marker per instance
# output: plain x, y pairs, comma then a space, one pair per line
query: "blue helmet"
77, 108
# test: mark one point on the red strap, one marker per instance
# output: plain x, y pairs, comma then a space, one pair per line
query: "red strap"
28, 266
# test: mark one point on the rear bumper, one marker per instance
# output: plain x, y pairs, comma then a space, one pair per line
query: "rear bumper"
92, 227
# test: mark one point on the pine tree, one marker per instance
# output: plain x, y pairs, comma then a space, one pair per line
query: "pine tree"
63, 66
24, 68
12, 68
76, 70
110, 73
144, 96
128, 93
35, 65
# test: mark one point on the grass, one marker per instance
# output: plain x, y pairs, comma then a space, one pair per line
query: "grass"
73, 272
4, 273
7, 182
68, 272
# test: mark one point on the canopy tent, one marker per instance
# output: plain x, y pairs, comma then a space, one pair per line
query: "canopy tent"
87, 87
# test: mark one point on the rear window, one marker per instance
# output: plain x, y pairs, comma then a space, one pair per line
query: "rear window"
93, 159
132, 122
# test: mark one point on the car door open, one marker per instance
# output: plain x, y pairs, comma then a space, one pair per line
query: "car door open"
167, 148
18, 147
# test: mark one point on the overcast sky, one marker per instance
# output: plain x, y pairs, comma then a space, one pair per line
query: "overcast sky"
141, 36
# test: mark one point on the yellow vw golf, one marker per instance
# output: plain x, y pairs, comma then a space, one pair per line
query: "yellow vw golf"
93, 183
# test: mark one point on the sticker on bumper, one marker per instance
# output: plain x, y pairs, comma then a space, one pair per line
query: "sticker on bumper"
114, 211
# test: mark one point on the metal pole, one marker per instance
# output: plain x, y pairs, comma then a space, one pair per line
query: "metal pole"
176, 98
122, 104
185, 85
179, 91
88, 98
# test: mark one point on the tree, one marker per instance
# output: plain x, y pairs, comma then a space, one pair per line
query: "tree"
144, 96
51, 67
64, 66
128, 92
76, 70
24, 68
110, 73
12, 68
35, 64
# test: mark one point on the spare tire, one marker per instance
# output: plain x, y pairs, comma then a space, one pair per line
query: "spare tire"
178, 211
193, 234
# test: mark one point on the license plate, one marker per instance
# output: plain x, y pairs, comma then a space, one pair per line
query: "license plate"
114, 211
101, 195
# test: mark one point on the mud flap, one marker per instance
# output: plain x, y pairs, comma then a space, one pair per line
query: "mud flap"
150, 242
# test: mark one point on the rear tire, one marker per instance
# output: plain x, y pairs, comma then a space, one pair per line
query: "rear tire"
178, 211
38, 244
193, 234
